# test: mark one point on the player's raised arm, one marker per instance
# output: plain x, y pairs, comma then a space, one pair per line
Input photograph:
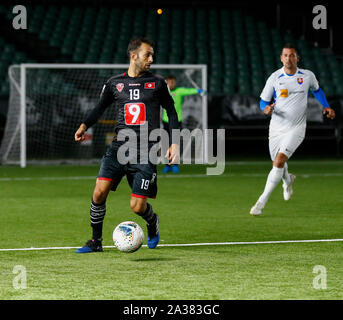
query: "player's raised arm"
187, 91
106, 99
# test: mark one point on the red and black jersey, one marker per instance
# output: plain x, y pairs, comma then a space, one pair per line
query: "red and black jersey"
137, 102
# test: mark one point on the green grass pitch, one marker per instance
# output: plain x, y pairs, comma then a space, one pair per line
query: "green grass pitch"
48, 206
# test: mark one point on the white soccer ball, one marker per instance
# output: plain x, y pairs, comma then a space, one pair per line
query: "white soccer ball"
128, 236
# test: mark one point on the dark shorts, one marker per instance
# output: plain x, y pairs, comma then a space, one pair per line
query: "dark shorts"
142, 178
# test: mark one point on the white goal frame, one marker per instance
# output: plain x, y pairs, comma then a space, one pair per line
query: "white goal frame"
25, 66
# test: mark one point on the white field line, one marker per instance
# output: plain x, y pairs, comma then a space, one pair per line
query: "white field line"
174, 176
264, 162
190, 244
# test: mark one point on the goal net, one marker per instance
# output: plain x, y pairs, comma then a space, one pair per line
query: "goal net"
48, 102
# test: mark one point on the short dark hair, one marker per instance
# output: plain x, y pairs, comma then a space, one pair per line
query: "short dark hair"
135, 43
290, 46
170, 77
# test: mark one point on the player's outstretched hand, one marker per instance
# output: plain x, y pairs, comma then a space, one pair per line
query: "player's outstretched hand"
329, 112
202, 92
269, 109
79, 134
173, 154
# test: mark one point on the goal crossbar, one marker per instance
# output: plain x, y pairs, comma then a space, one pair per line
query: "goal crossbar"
23, 97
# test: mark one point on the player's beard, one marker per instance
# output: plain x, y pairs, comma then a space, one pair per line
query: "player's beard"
141, 66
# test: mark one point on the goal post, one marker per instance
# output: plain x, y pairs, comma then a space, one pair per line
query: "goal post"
47, 103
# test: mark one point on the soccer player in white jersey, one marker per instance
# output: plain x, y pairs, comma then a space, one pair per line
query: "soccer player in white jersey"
284, 97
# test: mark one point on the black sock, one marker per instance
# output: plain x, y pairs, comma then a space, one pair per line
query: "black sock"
97, 215
149, 216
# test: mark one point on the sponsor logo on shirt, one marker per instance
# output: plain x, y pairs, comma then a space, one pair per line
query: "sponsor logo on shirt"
149, 85
120, 87
284, 93
134, 113
134, 84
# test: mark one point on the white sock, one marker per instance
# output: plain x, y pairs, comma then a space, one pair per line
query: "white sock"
274, 177
285, 177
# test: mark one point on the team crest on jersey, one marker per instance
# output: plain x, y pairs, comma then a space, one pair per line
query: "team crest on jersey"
120, 87
300, 80
149, 85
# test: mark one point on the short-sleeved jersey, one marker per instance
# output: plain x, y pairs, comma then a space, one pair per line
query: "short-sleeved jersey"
137, 102
290, 94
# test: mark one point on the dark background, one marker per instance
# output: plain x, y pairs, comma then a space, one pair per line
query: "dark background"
294, 17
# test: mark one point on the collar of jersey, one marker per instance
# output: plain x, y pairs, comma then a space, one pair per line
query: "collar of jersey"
289, 75
126, 75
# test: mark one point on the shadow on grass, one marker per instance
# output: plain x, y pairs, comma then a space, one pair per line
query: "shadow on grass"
153, 259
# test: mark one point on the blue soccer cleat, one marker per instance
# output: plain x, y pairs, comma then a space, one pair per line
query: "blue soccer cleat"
91, 246
175, 168
166, 169
153, 234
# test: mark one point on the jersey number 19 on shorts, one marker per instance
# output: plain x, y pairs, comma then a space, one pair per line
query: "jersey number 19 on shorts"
145, 184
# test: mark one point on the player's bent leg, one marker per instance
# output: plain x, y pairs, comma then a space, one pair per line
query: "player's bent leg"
141, 207
287, 183
274, 178
286, 177
138, 205
289, 145
288, 188
280, 160
101, 190
97, 215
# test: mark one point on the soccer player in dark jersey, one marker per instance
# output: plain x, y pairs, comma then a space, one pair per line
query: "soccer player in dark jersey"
137, 96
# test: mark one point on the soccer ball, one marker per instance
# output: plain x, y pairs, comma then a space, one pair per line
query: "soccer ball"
128, 236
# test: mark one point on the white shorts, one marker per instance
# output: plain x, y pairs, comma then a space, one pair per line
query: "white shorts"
286, 143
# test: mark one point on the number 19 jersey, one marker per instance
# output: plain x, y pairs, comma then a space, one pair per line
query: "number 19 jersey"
137, 102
